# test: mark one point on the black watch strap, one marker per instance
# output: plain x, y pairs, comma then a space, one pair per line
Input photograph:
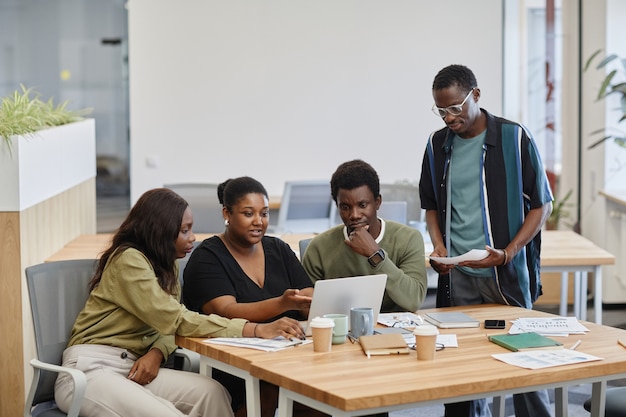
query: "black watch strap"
376, 258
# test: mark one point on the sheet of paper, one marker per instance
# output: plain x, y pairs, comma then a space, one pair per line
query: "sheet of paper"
472, 255
537, 359
404, 320
267, 345
447, 340
548, 326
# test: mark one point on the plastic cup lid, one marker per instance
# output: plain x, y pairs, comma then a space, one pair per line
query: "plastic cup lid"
425, 330
322, 322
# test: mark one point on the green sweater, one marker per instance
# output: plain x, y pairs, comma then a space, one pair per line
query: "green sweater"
129, 310
327, 256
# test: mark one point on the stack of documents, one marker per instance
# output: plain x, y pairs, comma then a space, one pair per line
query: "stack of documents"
548, 326
268, 345
408, 320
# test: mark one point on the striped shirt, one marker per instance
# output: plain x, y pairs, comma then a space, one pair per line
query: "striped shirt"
513, 181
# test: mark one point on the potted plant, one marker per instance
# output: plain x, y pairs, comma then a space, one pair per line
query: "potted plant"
560, 212
45, 149
23, 113
614, 83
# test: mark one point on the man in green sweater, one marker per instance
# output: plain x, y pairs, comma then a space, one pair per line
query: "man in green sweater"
366, 244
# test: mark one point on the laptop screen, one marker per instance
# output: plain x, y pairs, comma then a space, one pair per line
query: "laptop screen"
339, 295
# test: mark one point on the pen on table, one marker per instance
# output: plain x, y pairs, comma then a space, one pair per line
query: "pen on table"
622, 342
575, 345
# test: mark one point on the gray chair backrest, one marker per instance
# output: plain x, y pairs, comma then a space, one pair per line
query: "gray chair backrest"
404, 192
58, 292
206, 208
305, 207
393, 210
302, 245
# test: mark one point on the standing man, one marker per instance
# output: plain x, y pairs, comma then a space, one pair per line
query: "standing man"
483, 185
365, 244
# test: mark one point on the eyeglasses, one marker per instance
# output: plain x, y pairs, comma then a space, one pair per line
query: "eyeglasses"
454, 110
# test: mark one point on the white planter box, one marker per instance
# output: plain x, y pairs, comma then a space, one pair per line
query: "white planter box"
45, 164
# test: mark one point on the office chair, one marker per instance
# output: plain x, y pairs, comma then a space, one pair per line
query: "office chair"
305, 207
206, 208
615, 405
404, 192
393, 210
58, 292
303, 245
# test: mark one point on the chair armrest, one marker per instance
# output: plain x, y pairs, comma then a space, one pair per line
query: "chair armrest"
78, 377
191, 359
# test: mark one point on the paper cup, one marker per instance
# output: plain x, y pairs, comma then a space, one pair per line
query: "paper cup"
425, 341
322, 330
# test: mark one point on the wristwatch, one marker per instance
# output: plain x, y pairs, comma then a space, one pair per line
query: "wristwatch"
376, 258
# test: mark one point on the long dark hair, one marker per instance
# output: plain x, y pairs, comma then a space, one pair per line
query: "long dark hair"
151, 227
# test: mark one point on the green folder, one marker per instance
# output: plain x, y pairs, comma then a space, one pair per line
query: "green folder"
524, 341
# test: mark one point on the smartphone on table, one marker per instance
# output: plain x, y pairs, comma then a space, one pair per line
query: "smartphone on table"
495, 324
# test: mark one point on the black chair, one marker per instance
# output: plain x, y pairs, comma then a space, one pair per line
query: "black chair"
615, 402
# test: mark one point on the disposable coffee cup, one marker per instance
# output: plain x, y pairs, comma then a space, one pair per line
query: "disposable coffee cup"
322, 330
425, 341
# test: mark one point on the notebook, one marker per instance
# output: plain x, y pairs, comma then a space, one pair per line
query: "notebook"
524, 341
383, 344
451, 320
339, 295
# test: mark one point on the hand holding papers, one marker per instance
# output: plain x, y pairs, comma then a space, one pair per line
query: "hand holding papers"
472, 255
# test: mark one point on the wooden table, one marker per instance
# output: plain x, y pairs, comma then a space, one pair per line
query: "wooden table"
561, 251
565, 251
345, 382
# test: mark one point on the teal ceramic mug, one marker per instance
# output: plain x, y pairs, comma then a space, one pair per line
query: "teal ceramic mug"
340, 331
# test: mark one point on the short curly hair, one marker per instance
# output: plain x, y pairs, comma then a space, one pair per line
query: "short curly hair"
354, 174
454, 75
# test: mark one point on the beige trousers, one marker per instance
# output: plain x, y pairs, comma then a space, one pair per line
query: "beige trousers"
110, 394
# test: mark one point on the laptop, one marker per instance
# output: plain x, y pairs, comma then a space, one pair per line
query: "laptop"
339, 295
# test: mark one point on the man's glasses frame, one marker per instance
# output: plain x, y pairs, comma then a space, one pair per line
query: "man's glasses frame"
454, 110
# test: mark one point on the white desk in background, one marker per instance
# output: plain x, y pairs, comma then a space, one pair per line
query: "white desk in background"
565, 251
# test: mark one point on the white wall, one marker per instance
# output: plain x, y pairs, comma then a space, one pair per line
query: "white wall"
285, 89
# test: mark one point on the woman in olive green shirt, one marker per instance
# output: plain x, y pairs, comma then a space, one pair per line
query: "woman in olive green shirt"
126, 330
